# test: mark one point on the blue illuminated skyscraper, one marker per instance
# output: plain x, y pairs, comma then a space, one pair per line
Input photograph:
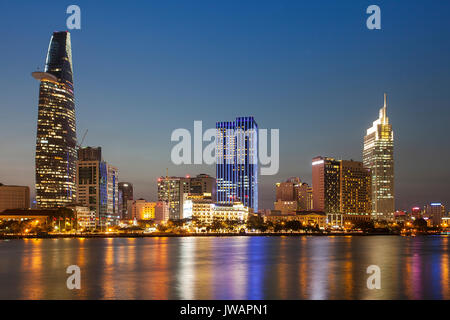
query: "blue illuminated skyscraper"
237, 162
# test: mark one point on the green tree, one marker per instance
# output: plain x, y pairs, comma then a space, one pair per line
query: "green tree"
255, 222
420, 224
293, 225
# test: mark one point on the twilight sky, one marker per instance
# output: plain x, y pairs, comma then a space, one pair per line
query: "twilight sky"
309, 68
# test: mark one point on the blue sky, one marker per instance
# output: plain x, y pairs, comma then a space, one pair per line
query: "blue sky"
311, 69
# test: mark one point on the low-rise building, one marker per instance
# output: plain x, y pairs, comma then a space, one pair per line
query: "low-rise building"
204, 210
85, 217
161, 212
141, 209
14, 197
307, 218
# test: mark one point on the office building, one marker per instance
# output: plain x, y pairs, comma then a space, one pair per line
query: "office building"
355, 188
378, 156
141, 209
174, 190
434, 212
202, 184
125, 194
293, 195
14, 197
237, 162
97, 186
326, 184
304, 197
161, 212
56, 155
171, 190
341, 186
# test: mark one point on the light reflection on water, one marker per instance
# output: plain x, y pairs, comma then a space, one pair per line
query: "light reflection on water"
226, 268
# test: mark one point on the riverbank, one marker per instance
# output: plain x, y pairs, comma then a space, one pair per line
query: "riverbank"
156, 235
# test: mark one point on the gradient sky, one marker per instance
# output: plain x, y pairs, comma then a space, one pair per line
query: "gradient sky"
311, 69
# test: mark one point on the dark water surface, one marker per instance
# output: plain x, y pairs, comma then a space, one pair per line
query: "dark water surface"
226, 268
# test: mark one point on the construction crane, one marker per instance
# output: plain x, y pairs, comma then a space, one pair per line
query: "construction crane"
82, 139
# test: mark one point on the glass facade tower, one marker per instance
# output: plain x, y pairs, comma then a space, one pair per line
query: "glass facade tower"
237, 162
378, 156
56, 130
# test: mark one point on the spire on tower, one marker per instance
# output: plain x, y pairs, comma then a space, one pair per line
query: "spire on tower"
383, 114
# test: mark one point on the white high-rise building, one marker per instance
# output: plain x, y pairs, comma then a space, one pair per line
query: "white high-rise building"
378, 156
98, 186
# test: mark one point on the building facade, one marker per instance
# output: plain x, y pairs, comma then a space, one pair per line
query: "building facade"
56, 155
341, 186
304, 197
355, 188
174, 191
14, 197
237, 162
97, 186
378, 156
125, 194
306, 218
84, 216
142, 210
203, 210
202, 184
326, 184
293, 195
161, 212
434, 212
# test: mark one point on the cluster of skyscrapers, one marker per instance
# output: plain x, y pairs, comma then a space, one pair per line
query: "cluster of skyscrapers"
345, 186
67, 174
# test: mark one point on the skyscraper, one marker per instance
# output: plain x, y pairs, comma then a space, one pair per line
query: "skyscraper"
341, 186
97, 186
125, 194
174, 190
378, 156
326, 184
237, 162
304, 197
286, 195
355, 188
56, 130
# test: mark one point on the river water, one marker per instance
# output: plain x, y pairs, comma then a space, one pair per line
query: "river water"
305, 267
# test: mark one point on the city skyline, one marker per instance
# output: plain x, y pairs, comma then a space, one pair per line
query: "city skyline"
135, 152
